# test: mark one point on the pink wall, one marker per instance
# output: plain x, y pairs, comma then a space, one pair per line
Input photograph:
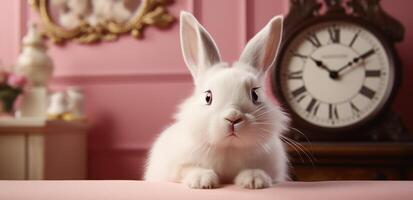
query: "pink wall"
132, 86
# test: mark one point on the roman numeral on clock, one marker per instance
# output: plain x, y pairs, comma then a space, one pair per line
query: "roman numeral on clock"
367, 92
354, 108
313, 39
295, 75
312, 105
301, 98
332, 111
334, 33
298, 91
354, 39
299, 55
373, 73
315, 110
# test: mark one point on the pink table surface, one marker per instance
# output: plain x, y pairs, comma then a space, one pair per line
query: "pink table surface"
137, 190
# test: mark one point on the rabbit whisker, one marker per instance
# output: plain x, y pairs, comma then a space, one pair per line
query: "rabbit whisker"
296, 146
258, 109
292, 145
263, 146
261, 115
301, 133
265, 123
301, 147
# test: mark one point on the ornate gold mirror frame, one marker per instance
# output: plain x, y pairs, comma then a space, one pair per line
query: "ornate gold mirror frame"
149, 13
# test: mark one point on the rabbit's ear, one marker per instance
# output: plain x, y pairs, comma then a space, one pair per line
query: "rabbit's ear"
198, 47
261, 50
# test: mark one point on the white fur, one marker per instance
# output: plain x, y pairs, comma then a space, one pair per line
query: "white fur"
196, 150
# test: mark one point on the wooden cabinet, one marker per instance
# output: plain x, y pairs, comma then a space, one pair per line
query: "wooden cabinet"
35, 149
353, 161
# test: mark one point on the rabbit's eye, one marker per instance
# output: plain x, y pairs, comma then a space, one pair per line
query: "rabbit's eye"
254, 96
208, 97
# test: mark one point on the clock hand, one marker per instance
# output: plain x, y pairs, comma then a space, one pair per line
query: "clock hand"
356, 60
345, 66
367, 54
320, 64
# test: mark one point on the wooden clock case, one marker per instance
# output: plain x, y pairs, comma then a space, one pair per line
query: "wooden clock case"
382, 125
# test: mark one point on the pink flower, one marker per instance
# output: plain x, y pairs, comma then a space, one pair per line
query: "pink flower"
16, 81
3, 76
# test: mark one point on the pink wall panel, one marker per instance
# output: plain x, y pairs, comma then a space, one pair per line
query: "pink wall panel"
133, 86
12, 16
126, 114
130, 115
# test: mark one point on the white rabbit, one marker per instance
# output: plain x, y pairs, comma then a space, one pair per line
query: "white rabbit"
227, 131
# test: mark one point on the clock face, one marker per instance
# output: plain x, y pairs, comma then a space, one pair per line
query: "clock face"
336, 74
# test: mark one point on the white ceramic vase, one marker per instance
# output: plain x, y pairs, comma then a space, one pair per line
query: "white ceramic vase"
33, 62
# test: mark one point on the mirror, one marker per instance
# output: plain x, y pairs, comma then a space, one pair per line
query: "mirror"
89, 21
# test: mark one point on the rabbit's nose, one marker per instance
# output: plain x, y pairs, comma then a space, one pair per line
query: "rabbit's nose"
235, 121
233, 116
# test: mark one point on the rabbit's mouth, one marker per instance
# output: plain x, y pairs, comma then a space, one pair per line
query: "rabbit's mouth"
232, 130
233, 134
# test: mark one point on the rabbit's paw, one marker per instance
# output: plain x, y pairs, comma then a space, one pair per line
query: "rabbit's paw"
201, 179
253, 179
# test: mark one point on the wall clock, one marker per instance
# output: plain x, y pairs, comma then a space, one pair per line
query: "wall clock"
338, 72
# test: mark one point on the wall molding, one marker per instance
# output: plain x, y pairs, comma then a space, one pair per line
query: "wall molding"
122, 78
